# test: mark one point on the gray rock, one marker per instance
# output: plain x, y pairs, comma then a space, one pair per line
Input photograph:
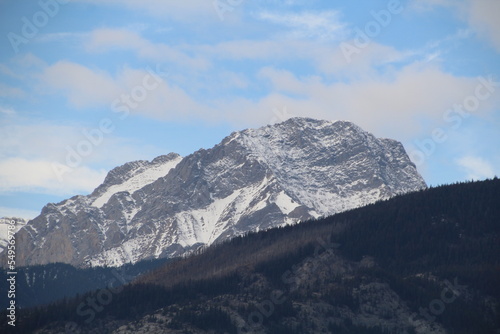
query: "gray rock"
253, 180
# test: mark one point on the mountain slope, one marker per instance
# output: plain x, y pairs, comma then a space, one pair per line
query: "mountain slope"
44, 284
6, 224
425, 262
253, 180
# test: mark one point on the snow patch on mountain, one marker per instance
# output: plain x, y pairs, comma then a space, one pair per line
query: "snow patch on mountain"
285, 203
253, 180
5, 226
136, 182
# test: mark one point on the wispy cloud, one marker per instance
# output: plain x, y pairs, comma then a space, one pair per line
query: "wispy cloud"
324, 26
185, 10
29, 61
7, 111
326, 58
17, 213
480, 15
104, 40
97, 88
476, 168
62, 37
32, 153
4, 69
237, 71
414, 92
38, 176
428, 5
12, 92
91, 87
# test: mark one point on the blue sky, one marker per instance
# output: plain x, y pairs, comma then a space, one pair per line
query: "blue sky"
86, 85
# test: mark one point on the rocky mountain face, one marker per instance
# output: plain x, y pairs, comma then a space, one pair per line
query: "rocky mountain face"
13, 224
253, 180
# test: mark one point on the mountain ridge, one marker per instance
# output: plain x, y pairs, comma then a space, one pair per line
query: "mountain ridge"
254, 179
12, 224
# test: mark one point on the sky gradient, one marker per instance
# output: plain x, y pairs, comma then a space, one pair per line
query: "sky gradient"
87, 85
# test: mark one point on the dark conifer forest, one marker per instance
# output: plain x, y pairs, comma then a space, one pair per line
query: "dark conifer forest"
424, 261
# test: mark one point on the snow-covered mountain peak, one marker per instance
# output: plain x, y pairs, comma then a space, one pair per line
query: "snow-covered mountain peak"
9, 223
331, 166
254, 179
133, 176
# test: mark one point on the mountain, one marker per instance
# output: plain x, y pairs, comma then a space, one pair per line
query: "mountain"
253, 180
13, 224
420, 263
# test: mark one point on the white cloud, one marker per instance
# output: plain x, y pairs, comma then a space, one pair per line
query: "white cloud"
7, 111
481, 15
19, 174
61, 37
326, 58
85, 87
11, 92
232, 79
251, 49
4, 69
324, 26
27, 155
103, 40
17, 213
476, 167
23, 139
428, 5
166, 102
417, 92
366, 63
185, 10
29, 151
29, 61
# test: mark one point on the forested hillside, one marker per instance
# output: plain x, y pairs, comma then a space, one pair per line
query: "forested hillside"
425, 262
43, 284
